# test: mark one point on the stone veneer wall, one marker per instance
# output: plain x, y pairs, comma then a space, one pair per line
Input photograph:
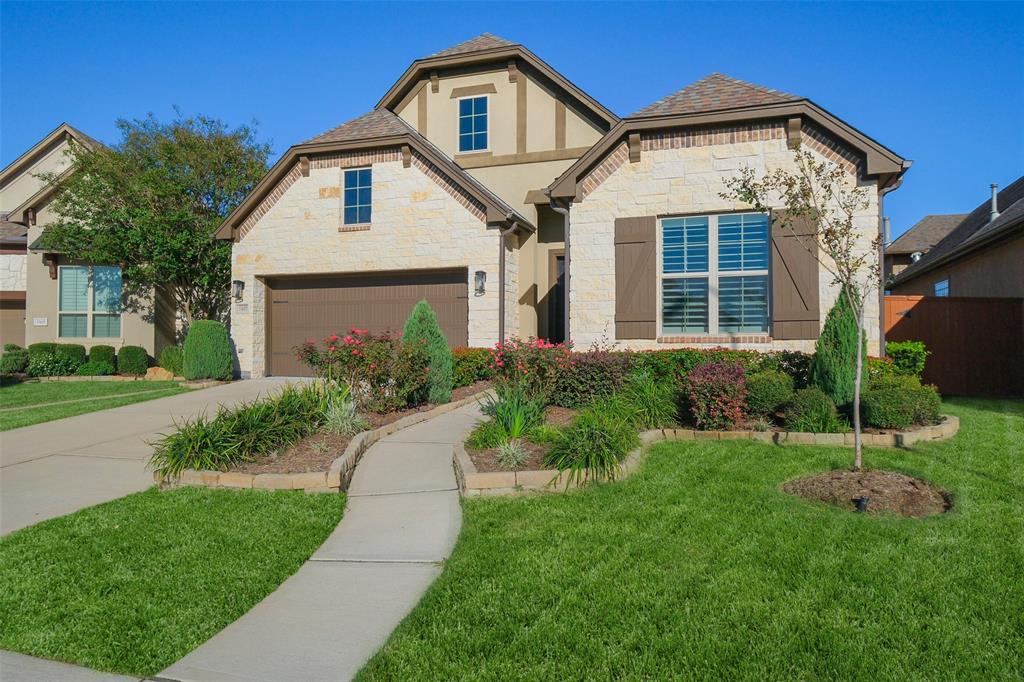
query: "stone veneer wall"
420, 221
683, 173
12, 271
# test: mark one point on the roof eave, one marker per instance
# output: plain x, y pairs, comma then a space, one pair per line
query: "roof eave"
965, 248
22, 162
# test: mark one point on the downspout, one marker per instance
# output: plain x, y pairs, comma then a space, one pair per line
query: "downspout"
881, 256
564, 210
501, 276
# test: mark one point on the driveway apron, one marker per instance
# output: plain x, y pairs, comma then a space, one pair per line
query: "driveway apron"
325, 622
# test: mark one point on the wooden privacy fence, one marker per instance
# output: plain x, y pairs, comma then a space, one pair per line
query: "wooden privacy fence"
976, 344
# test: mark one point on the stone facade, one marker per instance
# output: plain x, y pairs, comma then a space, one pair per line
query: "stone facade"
420, 220
680, 174
12, 272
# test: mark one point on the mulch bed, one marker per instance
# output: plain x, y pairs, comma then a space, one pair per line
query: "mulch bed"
890, 492
487, 460
559, 416
316, 451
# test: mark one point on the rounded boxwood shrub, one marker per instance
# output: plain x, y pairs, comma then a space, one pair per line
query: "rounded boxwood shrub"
14, 361
422, 328
105, 354
36, 350
768, 391
207, 353
132, 360
908, 357
95, 368
8, 347
900, 401
172, 359
812, 410
74, 352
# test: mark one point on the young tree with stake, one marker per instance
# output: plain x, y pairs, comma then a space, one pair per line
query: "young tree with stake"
828, 197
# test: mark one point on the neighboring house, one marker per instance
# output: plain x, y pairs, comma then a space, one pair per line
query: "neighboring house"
917, 241
489, 184
13, 242
64, 300
983, 256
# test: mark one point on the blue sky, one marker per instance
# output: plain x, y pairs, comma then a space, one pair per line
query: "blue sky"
939, 83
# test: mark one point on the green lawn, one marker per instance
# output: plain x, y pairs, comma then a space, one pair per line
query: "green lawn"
133, 585
38, 402
698, 567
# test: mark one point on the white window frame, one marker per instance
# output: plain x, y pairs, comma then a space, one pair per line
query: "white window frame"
90, 310
356, 169
935, 288
458, 118
712, 275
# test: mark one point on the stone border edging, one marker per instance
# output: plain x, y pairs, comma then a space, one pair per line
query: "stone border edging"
475, 483
335, 479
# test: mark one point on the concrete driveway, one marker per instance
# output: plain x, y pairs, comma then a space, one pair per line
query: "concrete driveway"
55, 468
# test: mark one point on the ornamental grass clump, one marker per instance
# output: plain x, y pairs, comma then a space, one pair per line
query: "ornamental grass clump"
653, 403
341, 416
422, 328
716, 393
594, 445
514, 414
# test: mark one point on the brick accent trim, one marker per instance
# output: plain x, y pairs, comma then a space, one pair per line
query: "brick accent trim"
354, 159
449, 185
268, 202
832, 149
706, 137
363, 227
603, 171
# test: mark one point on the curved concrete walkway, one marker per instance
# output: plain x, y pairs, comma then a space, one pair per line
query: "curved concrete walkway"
324, 623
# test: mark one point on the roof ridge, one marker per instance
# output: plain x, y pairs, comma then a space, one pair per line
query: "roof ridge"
478, 43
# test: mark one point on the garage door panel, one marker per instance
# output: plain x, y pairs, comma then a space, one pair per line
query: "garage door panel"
314, 308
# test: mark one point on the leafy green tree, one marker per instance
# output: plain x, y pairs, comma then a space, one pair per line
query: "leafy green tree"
834, 366
151, 204
422, 328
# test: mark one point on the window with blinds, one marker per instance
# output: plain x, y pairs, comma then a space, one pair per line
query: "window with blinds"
714, 277
89, 298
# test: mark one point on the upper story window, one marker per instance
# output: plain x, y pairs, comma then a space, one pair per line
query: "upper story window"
358, 196
714, 274
942, 287
89, 298
473, 124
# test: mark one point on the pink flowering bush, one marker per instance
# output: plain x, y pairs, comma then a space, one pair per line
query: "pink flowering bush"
532, 365
383, 372
717, 394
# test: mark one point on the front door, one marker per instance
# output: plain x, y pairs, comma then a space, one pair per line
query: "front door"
556, 308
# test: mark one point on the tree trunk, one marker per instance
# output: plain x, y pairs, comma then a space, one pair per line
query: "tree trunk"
858, 457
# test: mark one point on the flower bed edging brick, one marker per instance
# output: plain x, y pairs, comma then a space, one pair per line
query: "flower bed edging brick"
337, 476
475, 483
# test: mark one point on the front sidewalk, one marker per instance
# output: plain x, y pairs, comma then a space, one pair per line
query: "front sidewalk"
401, 522
21, 668
58, 467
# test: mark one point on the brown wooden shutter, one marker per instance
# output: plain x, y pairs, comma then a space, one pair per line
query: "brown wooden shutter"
636, 278
795, 309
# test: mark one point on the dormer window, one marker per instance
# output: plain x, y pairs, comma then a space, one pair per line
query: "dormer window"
473, 124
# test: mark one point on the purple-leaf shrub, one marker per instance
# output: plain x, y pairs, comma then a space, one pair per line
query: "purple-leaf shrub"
717, 394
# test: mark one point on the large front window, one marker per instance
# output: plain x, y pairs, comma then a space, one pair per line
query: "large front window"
89, 298
714, 274
472, 124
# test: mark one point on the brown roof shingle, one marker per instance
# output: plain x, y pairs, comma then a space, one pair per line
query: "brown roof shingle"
484, 41
377, 123
925, 233
715, 93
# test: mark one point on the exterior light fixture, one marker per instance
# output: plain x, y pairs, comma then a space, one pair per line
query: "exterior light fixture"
479, 282
237, 287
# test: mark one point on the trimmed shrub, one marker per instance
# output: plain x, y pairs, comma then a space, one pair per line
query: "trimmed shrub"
595, 443
51, 365
172, 359
880, 368
590, 376
14, 361
908, 357
768, 391
835, 360
900, 401
533, 364
422, 328
716, 392
103, 354
95, 368
36, 350
470, 365
74, 352
132, 360
207, 353
8, 347
813, 411
677, 363
652, 403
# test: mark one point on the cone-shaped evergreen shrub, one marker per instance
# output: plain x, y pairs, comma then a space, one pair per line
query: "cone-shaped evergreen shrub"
835, 359
422, 328
207, 351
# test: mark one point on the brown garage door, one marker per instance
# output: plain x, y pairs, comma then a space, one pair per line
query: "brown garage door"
304, 308
12, 317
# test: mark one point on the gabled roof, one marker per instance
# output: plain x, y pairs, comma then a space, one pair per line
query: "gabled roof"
14, 234
974, 231
487, 49
715, 92
720, 100
925, 233
484, 41
376, 129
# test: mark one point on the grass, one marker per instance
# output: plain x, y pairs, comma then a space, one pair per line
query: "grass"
698, 566
39, 402
133, 585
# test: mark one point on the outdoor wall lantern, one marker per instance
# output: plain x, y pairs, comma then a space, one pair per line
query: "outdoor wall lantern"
479, 282
237, 287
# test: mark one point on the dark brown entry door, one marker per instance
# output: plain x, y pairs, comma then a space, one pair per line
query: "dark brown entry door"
312, 308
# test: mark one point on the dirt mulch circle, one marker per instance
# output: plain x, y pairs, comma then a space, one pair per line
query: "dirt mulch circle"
487, 460
889, 492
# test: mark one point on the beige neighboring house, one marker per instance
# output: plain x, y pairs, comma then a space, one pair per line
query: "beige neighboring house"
63, 300
516, 204
910, 246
